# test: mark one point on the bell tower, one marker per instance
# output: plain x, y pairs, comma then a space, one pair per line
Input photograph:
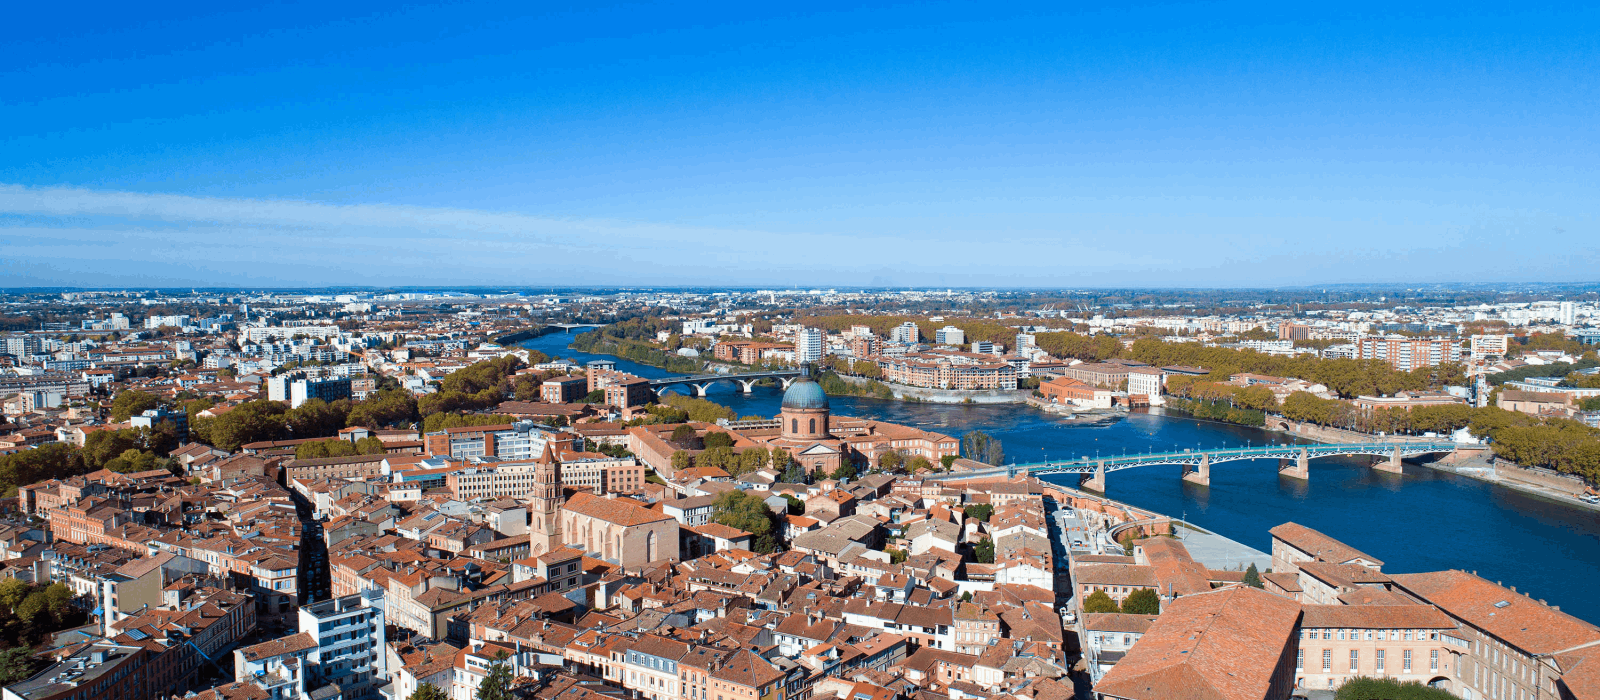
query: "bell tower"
544, 504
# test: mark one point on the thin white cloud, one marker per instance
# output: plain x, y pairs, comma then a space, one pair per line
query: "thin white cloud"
212, 238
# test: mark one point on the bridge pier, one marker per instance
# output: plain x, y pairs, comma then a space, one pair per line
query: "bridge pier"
1096, 483
1299, 467
786, 381
748, 386
1392, 464
1200, 475
700, 389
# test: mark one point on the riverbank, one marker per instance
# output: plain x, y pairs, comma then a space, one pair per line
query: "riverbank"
522, 335
926, 395
1472, 461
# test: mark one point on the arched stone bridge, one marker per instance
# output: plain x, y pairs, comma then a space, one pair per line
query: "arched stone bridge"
1293, 460
746, 380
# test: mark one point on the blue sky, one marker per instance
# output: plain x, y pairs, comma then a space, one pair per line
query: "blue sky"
915, 144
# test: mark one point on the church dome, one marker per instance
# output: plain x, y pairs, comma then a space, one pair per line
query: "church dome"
804, 392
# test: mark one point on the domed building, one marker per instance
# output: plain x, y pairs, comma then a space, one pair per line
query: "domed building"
805, 408
805, 431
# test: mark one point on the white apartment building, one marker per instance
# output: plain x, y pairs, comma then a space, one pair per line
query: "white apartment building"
906, 333
350, 643
808, 345
1148, 381
950, 335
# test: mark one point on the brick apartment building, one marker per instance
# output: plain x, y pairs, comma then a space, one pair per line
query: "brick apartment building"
563, 389
1407, 354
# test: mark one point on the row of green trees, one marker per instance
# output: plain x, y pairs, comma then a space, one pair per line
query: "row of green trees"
1144, 601
833, 385
626, 340
1556, 369
1218, 410
335, 447
29, 614
1554, 443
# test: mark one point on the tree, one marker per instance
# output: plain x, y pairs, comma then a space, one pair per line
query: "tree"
947, 460
428, 691
16, 665
978, 446
966, 596
56, 460
317, 418
891, 461
896, 556
784, 462
1099, 602
1364, 688
919, 463
12, 592
1252, 577
979, 511
596, 396
715, 438
683, 434
371, 445
983, 551
722, 458
496, 684
753, 458
323, 449
105, 445
796, 506
251, 421
682, 459
1144, 601
132, 461
386, 408
132, 403
844, 472
741, 510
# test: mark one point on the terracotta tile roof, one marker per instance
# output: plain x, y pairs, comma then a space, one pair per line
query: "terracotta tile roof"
1288, 582
1117, 622
1375, 617
1522, 622
1222, 645
283, 645
1318, 545
1135, 575
617, 511
747, 669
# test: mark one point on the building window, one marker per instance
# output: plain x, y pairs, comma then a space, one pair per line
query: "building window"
1405, 661
1300, 660
1355, 660
1433, 660
1327, 660
1379, 659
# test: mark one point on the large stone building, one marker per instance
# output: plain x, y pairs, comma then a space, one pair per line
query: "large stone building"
619, 529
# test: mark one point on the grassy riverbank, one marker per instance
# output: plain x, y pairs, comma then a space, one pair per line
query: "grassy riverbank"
601, 343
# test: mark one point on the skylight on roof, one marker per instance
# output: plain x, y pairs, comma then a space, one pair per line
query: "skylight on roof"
1503, 604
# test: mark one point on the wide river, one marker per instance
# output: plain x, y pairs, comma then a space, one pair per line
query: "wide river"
1423, 520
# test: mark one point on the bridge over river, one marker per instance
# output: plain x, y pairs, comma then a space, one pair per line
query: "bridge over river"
1293, 461
746, 380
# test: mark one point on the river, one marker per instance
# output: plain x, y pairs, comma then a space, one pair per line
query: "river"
1422, 520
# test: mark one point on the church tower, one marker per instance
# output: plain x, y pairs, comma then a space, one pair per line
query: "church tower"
544, 504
